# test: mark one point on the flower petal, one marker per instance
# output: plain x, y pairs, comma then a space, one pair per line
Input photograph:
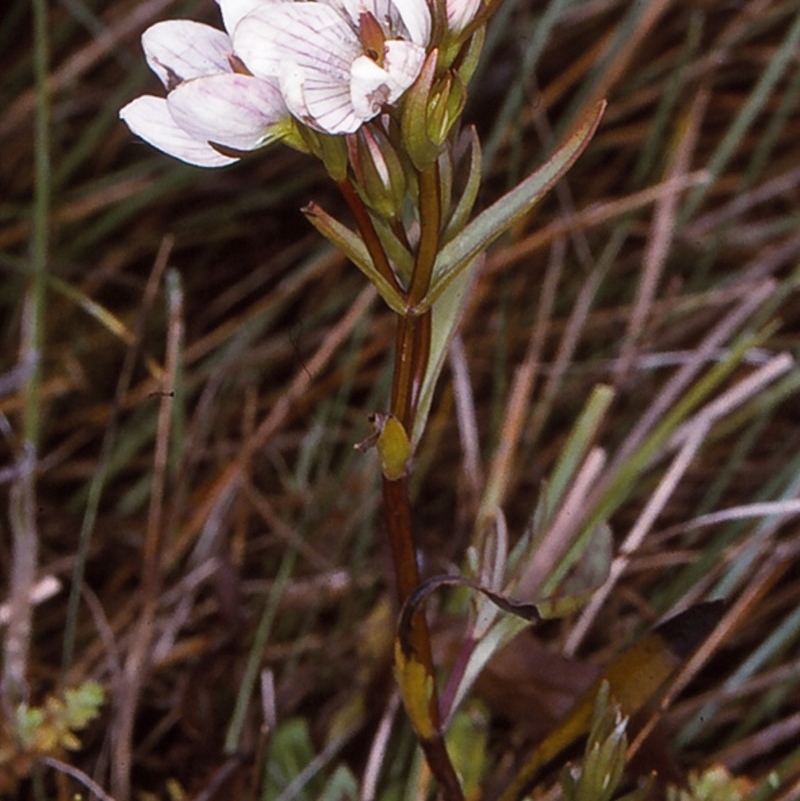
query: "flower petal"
178, 50
236, 111
234, 10
311, 35
318, 100
310, 48
399, 18
402, 61
149, 118
351, 10
460, 13
417, 18
370, 87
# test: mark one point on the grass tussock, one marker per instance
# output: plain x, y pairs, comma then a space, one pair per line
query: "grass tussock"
186, 367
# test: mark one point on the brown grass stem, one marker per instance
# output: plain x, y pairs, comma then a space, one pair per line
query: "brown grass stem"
138, 663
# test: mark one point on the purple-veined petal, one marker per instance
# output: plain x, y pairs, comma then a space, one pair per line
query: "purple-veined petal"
234, 10
417, 18
237, 111
351, 10
399, 18
460, 13
377, 156
318, 100
310, 47
178, 50
312, 35
370, 87
402, 61
149, 118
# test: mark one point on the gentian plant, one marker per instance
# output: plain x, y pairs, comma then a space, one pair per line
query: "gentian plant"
375, 90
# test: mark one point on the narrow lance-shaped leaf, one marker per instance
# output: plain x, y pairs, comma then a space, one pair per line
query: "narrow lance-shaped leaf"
502, 214
446, 315
533, 612
467, 200
354, 248
402, 260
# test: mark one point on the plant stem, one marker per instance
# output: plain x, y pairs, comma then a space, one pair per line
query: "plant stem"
411, 361
412, 351
368, 233
414, 330
430, 222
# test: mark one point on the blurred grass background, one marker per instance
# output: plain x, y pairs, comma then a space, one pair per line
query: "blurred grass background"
207, 364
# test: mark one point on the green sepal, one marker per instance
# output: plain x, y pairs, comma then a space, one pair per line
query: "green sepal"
501, 215
446, 170
447, 101
291, 133
414, 121
330, 150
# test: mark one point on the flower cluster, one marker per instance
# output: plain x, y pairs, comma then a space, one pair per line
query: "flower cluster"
329, 65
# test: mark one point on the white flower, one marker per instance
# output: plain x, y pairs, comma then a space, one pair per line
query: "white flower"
209, 100
338, 62
332, 64
460, 13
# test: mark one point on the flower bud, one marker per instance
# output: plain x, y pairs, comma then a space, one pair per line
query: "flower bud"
380, 178
431, 109
604, 759
446, 103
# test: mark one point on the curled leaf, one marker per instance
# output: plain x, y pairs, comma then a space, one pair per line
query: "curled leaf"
416, 687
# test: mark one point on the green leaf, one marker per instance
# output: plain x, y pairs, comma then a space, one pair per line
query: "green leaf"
341, 787
446, 314
416, 687
402, 260
83, 704
604, 756
349, 243
468, 742
501, 215
29, 721
290, 751
461, 213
